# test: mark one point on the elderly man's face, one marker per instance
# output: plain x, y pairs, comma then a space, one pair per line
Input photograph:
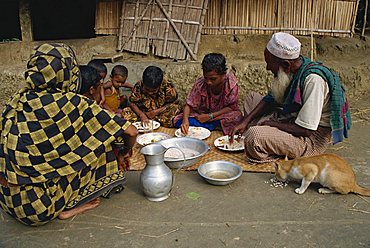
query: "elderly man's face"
272, 63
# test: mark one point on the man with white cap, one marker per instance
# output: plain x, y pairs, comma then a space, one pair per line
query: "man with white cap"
304, 110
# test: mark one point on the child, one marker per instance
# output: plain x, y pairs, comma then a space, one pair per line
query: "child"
153, 98
213, 100
90, 81
100, 67
110, 92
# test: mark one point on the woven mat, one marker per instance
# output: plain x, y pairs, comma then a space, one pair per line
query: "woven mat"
138, 162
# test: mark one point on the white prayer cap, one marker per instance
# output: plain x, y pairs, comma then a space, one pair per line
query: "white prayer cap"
284, 46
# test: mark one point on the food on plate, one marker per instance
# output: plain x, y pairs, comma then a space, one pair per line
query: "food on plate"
224, 143
149, 138
141, 127
195, 132
174, 153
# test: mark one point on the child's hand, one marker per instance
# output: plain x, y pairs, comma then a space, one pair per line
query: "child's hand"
185, 126
118, 112
203, 118
151, 114
144, 118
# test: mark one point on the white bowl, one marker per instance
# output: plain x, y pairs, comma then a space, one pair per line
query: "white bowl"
220, 172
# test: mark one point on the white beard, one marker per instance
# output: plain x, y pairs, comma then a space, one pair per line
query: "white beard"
280, 84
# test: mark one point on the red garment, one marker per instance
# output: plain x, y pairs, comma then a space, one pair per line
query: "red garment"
202, 101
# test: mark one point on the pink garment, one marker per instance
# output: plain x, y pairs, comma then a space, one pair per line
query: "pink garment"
202, 101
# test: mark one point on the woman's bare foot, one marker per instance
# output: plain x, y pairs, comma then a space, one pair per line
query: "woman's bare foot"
78, 210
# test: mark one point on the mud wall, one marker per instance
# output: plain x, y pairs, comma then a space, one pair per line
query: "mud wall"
244, 54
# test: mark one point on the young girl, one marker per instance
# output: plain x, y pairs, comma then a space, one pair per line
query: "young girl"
110, 92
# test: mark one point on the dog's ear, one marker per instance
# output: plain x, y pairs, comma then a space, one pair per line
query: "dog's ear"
286, 157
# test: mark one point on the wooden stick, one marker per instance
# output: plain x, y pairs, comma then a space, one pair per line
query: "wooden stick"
311, 24
365, 19
193, 56
119, 46
199, 33
149, 27
166, 30
316, 30
359, 210
354, 17
182, 26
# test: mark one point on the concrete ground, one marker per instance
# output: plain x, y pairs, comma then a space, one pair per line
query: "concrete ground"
248, 213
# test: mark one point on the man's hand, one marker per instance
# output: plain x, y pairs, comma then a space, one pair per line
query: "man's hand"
238, 130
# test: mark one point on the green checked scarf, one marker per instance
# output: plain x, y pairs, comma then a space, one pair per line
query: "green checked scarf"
47, 130
340, 118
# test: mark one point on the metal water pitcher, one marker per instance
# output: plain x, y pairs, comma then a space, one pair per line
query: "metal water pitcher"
156, 179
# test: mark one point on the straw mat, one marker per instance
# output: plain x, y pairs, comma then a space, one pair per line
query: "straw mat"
239, 158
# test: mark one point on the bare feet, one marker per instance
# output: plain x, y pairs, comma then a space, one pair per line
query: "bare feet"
80, 209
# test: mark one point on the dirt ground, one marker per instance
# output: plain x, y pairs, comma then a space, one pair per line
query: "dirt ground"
248, 213
349, 57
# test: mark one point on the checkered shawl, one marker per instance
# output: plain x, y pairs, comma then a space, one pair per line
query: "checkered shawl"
47, 130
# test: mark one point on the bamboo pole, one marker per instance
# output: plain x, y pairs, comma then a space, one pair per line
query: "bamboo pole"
120, 46
133, 41
316, 30
197, 39
193, 56
354, 17
182, 26
167, 30
221, 23
311, 24
365, 19
149, 30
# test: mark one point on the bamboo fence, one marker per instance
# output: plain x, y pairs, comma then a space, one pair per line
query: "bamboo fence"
172, 28
301, 17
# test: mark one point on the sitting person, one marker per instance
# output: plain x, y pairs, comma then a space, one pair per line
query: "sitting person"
90, 82
56, 146
305, 107
213, 101
110, 91
98, 65
153, 98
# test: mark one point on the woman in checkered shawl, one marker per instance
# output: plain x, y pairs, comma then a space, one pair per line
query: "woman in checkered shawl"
56, 154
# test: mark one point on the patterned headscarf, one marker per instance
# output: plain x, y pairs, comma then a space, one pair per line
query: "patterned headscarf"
47, 130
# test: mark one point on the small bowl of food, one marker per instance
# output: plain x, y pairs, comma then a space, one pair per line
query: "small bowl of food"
220, 172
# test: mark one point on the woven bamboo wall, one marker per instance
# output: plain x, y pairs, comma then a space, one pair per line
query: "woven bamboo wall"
323, 17
147, 29
107, 17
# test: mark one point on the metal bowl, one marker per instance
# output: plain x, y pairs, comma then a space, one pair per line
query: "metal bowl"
185, 144
220, 172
